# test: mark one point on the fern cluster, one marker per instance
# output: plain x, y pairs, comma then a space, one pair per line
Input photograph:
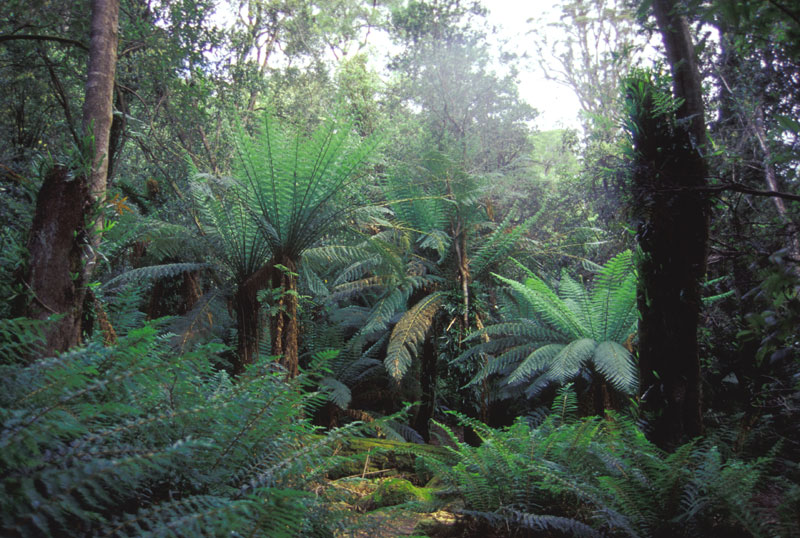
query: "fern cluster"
602, 477
137, 440
551, 337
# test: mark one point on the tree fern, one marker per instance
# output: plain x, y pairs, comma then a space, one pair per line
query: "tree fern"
567, 331
152, 272
292, 179
499, 243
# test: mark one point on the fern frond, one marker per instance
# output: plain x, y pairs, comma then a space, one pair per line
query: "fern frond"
566, 364
153, 272
547, 305
521, 328
409, 333
290, 180
565, 404
385, 308
617, 366
541, 359
546, 523
501, 363
499, 244
20, 339
576, 298
325, 256
336, 391
311, 281
614, 299
349, 289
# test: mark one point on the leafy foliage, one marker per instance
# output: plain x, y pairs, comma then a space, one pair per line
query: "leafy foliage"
409, 333
292, 179
558, 334
602, 477
134, 440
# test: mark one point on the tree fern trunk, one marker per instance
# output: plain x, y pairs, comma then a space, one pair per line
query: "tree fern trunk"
427, 380
248, 313
285, 340
56, 254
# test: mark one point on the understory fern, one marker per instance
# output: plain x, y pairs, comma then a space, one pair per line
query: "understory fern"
552, 336
135, 440
602, 477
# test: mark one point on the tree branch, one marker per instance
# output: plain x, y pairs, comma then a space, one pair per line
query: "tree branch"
31, 37
785, 11
61, 96
738, 187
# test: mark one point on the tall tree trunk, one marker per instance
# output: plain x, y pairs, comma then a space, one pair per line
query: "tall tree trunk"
98, 106
62, 250
673, 235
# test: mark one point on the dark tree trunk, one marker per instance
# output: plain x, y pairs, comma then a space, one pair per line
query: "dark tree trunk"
673, 232
427, 377
284, 325
673, 236
248, 317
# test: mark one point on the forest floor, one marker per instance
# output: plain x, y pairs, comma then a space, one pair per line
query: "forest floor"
389, 496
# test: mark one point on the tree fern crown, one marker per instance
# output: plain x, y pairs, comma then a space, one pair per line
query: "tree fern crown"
565, 331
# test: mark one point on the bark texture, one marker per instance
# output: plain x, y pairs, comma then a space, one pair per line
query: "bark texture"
285, 329
248, 317
98, 103
56, 257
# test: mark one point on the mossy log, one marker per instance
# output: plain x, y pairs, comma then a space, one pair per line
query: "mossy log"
371, 457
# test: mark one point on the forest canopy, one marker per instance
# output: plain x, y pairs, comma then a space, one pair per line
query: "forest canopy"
317, 268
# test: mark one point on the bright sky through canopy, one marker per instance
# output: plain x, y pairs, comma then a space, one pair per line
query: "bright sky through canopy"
557, 104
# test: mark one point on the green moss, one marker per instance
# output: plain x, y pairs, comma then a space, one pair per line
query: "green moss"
396, 491
385, 454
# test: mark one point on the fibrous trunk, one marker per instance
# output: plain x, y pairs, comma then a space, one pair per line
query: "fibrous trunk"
248, 314
284, 321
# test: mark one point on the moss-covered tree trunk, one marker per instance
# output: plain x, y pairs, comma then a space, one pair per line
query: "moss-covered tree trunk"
673, 235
